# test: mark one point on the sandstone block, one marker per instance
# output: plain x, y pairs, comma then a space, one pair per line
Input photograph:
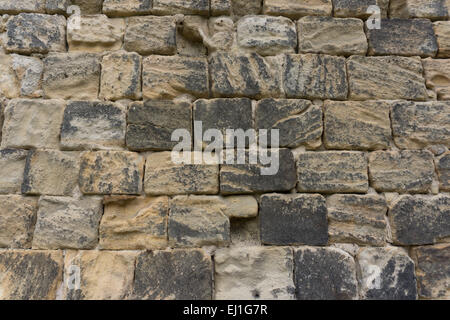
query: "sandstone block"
9, 86
115, 8
12, 166
57, 6
111, 172
172, 7
358, 8
240, 206
437, 76
67, 223
298, 8
241, 8
16, 7
222, 7
332, 172
430, 9
293, 219
442, 31
245, 232
252, 273
89, 6
443, 169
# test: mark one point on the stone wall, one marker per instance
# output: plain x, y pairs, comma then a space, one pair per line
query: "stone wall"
93, 207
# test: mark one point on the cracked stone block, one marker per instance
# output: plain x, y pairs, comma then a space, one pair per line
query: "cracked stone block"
419, 219
442, 31
16, 7
111, 172
332, 172
35, 33
152, 123
314, 76
437, 76
387, 273
430, 9
357, 219
187, 7
387, 78
324, 274
17, 219
403, 37
93, 125
151, 35
32, 124
12, 166
334, 36
67, 223
252, 273
357, 125
417, 125
358, 8
293, 219
117, 8
30, 275
173, 275
71, 76
298, 8
443, 170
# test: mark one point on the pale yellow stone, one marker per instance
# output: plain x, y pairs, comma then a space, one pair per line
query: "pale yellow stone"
298, 8
442, 31
437, 76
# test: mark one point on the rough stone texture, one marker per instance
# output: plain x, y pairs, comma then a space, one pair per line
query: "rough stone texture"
32, 123
196, 221
89, 6
443, 170
240, 206
419, 220
67, 223
386, 78
151, 35
386, 274
299, 121
357, 219
12, 166
293, 219
324, 274
430, 9
171, 7
315, 76
57, 6
332, 36
115, 8
241, 8
433, 270
167, 77
298, 8
93, 125
9, 86
245, 232
358, 8
30, 275
437, 76
151, 124
332, 172
35, 33
403, 37
15, 7
442, 32
252, 273
111, 172
136, 223
417, 125
17, 219
173, 275
71, 76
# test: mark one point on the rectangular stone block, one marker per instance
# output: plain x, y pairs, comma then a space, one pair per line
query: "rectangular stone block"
437, 76
358, 8
89, 6
187, 7
442, 32
16, 7
120, 8
12, 166
315, 76
443, 170
57, 6
298, 8
387, 78
430, 9
332, 36
332, 172
221, 7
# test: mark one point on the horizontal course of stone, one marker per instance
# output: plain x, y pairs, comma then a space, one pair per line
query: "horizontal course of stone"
360, 205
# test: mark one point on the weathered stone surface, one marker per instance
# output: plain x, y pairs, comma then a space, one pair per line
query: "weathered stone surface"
167, 77
151, 35
171, 7
17, 219
57, 6
315, 76
298, 8
173, 275
332, 172
9, 86
417, 125
241, 8
419, 220
89, 6
358, 8
403, 37
249, 178
333, 36
15, 7
67, 223
357, 219
252, 273
136, 223
104, 275
443, 170
430, 9
35, 33
401, 171
433, 271
164, 176
30, 275
386, 274
32, 123
324, 274
240, 206
267, 35
115, 8
386, 78
221, 7
244, 75
51, 172
3, 103
196, 221
12, 166
437, 76
442, 31
151, 124
111, 172
72, 76
293, 219
245, 232
357, 125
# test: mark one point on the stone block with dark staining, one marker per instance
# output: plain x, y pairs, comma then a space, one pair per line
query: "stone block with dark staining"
429, 9
125, 8
12, 166
15, 7
187, 7
442, 31
443, 170
295, 9
358, 8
